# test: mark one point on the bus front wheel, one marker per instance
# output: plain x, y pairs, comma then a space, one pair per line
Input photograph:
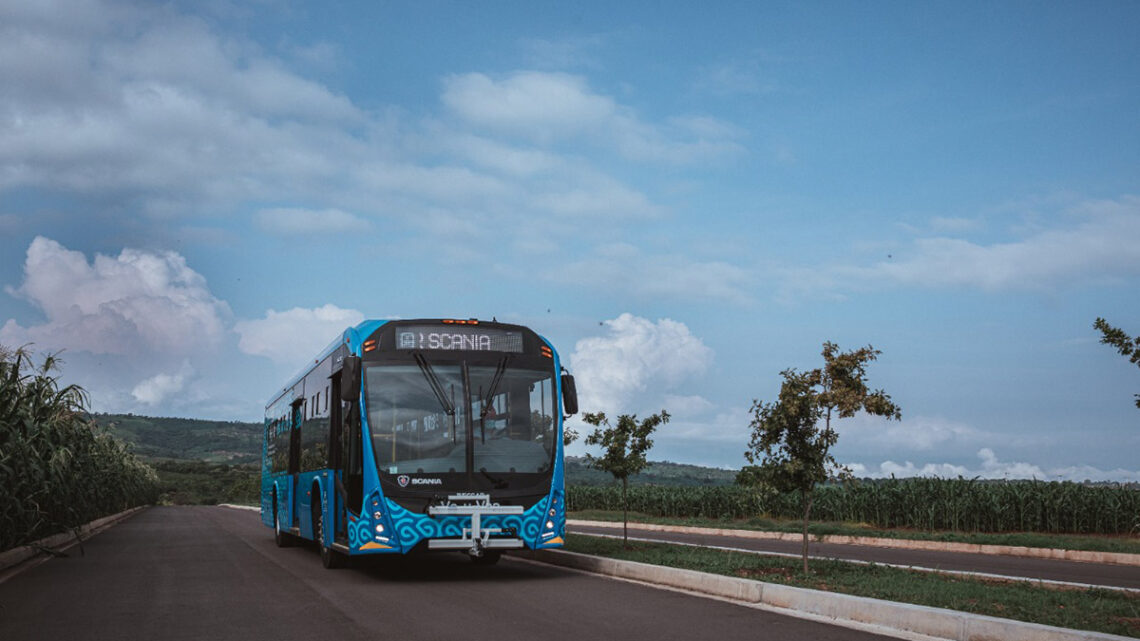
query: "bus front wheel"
280, 537
330, 558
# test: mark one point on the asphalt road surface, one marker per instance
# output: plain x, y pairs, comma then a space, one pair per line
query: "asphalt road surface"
1122, 576
212, 573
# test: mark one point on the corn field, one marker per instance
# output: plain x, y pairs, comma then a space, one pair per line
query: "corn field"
57, 470
959, 505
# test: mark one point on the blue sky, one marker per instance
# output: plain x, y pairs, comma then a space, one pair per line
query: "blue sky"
196, 196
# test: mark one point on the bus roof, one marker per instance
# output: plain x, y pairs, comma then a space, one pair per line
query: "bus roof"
353, 336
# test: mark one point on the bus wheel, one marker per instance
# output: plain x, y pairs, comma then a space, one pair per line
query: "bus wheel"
281, 538
490, 557
330, 558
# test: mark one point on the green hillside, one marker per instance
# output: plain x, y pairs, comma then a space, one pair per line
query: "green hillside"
230, 442
660, 473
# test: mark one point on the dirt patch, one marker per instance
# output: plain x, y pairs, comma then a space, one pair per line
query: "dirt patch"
762, 574
1132, 623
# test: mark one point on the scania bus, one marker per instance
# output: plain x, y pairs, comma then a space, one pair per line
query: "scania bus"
416, 435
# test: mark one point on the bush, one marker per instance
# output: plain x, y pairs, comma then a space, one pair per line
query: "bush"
57, 469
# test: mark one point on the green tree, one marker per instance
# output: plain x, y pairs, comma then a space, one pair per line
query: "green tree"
568, 436
1127, 346
790, 449
624, 445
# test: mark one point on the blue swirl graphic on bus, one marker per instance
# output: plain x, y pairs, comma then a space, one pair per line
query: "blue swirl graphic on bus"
411, 528
359, 533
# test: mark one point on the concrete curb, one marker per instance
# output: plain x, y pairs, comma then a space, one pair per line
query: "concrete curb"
18, 555
234, 506
839, 609
1119, 558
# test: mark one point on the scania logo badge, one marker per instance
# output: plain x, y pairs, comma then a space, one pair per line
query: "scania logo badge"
403, 480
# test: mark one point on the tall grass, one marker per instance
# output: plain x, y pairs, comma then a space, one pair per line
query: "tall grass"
958, 505
57, 470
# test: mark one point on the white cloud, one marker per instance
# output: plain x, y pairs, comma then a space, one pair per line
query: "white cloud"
447, 184
625, 269
920, 434
157, 389
991, 467
635, 363
291, 336
704, 422
501, 157
1099, 247
539, 105
548, 107
595, 197
136, 302
141, 99
684, 406
294, 221
681, 140
147, 109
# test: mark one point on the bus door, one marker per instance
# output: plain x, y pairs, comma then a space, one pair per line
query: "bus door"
295, 461
351, 458
337, 492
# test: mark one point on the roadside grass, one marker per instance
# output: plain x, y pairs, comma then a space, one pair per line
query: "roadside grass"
1093, 543
1097, 610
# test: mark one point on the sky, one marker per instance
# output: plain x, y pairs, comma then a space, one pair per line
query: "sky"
196, 197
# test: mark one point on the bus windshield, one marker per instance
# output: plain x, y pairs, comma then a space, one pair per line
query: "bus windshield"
423, 417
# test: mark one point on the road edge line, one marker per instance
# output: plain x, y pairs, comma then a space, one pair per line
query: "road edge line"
235, 506
1087, 556
841, 609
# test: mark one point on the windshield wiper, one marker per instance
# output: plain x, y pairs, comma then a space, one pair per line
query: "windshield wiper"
437, 387
495, 380
485, 402
433, 380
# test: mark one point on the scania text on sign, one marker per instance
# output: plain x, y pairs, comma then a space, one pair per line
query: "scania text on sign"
455, 339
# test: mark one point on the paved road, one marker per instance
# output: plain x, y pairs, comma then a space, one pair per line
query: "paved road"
213, 573
1069, 571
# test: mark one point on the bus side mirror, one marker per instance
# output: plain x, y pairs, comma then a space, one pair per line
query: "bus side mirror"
569, 395
350, 379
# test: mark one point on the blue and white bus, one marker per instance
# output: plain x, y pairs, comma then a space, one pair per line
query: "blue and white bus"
415, 435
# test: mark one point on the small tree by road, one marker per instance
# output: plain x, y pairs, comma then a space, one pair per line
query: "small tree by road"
624, 446
1127, 346
790, 449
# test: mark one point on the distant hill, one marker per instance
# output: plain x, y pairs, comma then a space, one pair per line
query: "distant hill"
659, 473
186, 438
235, 443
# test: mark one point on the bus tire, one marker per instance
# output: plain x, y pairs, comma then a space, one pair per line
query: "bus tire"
330, 558
281, 538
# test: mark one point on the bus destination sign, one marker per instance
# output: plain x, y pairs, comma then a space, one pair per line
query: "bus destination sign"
473, 339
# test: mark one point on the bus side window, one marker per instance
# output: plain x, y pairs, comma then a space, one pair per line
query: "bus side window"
295, 436
279, 457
